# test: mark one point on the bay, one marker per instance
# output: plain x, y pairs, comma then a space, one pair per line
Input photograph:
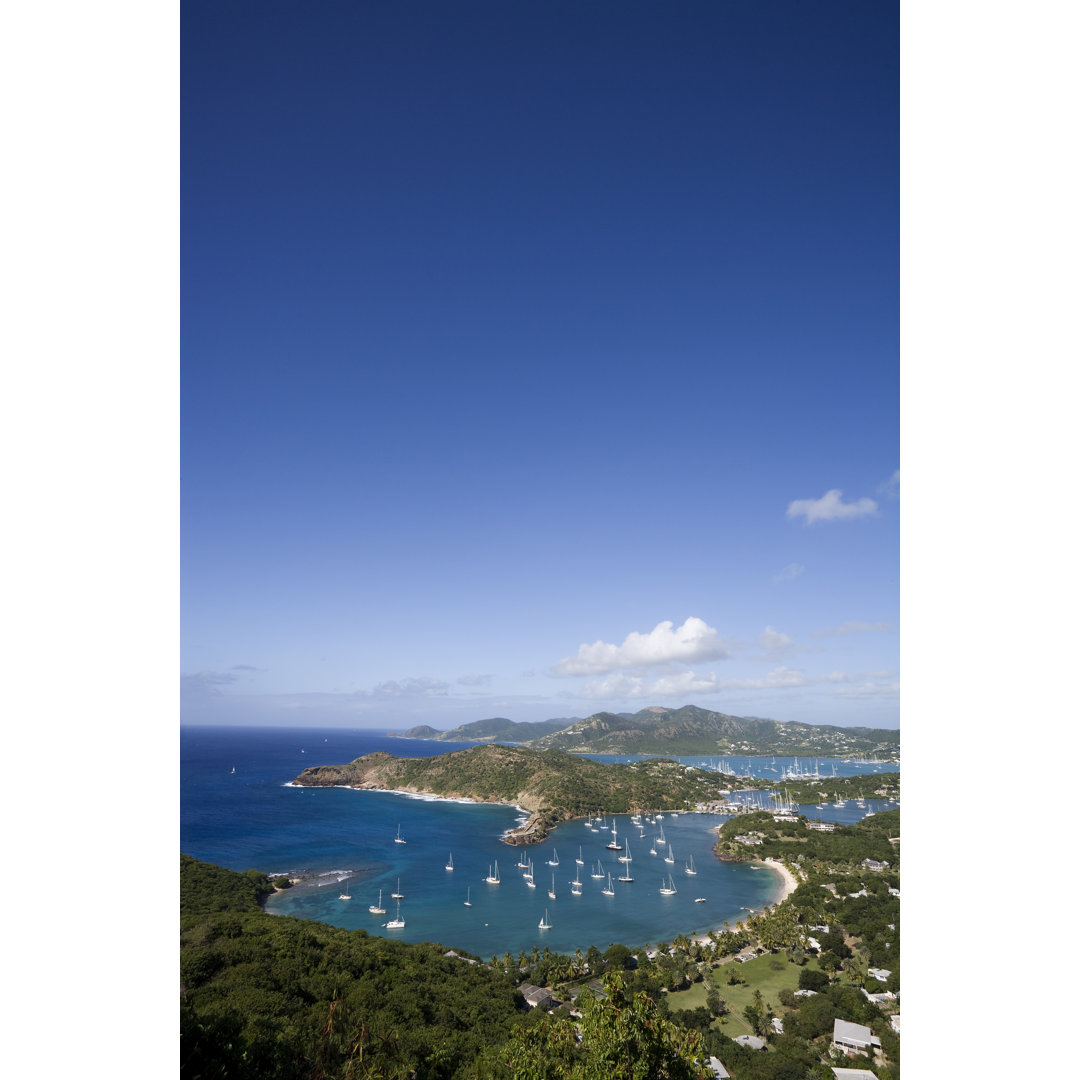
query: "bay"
341, 840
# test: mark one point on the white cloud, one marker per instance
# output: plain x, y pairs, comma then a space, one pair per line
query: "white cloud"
693, 641
789, 573
620, 686
682, 684
774, 639
830, 507
891, 488
423, 687
474, 680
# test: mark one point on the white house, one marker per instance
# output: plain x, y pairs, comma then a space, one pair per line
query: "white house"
848, 1036
853, 1074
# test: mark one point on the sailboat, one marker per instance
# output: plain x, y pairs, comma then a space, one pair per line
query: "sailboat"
614, 845
555, 860
544, 924
399, 839
233, 769
610, 890
660, 839
670, 856
468, 897
599, 871
377, 909
397, 922
551, 891
667, 890
398, 895
345, 893
575, 885
450, 864
579, 860
493, 879
626, 857
690, 866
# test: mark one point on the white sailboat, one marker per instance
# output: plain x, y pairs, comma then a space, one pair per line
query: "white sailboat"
493, 879
579, 860
450, 864
468, 897
610, 890
614, 845
670, 856
690, 866
554, 861
599, 871
575, 885
399, 839
660, 839
627, 857
544, 924
551, 891
396, 922
667, 890
377, 909
345, 893
398, 894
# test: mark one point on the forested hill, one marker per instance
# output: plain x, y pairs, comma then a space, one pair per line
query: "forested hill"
267, 997
496, 729
552, 785
693, 730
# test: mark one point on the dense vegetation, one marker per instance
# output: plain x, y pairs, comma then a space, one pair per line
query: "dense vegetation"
692, 730
269, 997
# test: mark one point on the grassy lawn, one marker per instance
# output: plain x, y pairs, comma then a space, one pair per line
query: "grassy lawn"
768, 973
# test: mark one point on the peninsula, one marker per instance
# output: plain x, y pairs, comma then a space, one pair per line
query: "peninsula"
552, 786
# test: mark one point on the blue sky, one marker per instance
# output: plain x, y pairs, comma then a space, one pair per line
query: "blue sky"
539, 359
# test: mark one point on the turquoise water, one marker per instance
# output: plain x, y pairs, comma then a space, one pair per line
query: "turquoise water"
344, 839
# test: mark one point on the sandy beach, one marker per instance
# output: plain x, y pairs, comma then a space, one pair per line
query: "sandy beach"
790, 881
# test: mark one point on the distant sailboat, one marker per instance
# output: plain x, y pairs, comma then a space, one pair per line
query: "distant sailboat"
667, 890
399, 895
575, 885
551, 891
399, 839
554, 861
660, 839
345, 894
544, 924
690, 867
627, 857
614, 844
468, 897
377, 909
233, 769
450, 864
579, 860
493, 879
670, 856
599, 871
610, 890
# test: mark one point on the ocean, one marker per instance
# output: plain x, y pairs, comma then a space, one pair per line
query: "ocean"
237, 810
